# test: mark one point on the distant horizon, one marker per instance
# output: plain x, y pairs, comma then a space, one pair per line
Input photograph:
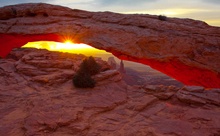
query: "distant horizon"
204, 10
68, 47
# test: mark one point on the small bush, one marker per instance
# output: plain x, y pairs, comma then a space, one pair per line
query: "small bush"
94, 68
162, 18
83, 68
89, 66
83, 79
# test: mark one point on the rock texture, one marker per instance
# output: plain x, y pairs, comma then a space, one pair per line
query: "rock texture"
185, 49
37, 97
112, 62
121, 68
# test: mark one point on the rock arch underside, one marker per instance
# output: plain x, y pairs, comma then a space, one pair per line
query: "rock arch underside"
185, 49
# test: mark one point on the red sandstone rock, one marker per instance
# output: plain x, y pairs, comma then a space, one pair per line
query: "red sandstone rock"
112, 62
185, 49
39, 101
110, 75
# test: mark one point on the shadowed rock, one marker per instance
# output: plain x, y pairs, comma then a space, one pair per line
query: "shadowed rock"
112, 62
185, 49
121, 68
37, 97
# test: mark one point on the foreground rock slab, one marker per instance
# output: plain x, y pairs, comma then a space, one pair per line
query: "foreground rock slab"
37, 97
185, 49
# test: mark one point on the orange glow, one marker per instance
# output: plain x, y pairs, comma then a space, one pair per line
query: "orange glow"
67, 46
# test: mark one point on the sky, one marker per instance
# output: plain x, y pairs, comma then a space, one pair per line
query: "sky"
205, 10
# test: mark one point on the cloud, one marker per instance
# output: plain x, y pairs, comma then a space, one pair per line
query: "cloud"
122, 2
13, 2
105, 5
212, 1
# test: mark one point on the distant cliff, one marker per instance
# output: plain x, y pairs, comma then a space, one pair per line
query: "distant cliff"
112, 62
122, 67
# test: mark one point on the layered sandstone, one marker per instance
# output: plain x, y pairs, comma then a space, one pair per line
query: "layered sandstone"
37, 97
185, 49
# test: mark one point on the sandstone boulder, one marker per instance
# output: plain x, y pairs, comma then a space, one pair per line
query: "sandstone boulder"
199, 97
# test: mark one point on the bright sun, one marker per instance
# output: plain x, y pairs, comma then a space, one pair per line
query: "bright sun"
67, 46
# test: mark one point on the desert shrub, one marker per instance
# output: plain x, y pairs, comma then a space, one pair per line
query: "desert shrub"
83, 68
94, 68
162, 18
87, 68
83, 81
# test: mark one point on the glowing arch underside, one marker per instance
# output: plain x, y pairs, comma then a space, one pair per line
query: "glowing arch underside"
184, 49
186, 74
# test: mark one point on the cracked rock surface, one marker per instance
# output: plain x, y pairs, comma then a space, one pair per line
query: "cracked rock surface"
37, 97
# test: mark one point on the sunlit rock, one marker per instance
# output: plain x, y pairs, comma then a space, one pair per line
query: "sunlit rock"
185, 49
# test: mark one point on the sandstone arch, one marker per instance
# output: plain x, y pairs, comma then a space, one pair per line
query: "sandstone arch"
185, 49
